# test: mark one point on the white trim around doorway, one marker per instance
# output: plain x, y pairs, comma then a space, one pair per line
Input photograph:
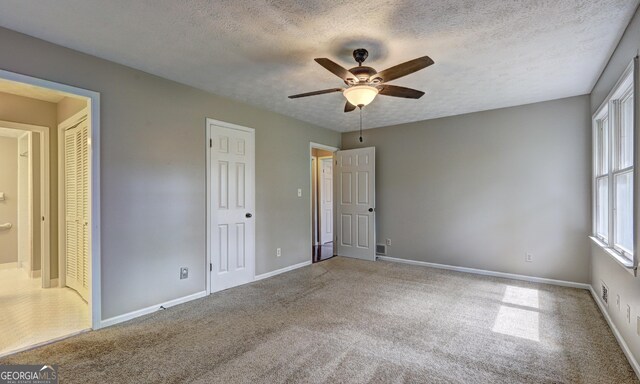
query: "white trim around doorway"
95, 302
329, 148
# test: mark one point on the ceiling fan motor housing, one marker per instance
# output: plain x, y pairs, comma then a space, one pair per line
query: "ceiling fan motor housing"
363, 73
360, 55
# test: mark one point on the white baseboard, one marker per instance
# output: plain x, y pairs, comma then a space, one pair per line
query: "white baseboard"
145, 311
12, 265
505, 275
616, 333
35, 274
282, 270
54, 283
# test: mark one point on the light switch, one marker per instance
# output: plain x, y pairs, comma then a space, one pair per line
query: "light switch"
299, 192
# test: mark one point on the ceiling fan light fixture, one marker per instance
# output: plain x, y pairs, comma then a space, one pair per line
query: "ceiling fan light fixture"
360, 95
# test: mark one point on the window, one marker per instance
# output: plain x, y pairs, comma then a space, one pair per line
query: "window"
613, 124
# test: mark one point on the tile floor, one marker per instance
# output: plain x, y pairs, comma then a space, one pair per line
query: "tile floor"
31, 315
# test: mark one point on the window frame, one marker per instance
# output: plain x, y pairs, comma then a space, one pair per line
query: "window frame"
610, 113
599, 121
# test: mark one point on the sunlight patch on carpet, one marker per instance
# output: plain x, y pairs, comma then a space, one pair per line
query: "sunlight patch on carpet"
525, 297
519, 315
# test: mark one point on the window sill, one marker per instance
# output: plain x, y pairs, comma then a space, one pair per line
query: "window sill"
621, 260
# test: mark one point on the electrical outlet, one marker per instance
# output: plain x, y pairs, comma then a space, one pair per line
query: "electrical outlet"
184, 273
278, 252
618, 301
628, 314
299, 192
388, 242
528, 258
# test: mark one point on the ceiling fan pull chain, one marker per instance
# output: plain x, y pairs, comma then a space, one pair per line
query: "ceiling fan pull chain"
361, 124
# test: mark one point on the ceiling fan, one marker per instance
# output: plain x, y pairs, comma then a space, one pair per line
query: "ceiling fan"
365, 83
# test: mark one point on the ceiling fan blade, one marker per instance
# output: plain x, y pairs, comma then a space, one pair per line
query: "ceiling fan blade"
316, 93
394, 90
403, 69
348, 107
336, 69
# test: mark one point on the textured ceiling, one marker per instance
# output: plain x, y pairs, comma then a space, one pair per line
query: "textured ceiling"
489, 54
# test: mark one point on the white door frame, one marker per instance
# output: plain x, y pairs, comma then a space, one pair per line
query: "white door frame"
314, 202
45, 193
329, 148
95, 302
208, 261
28, 174
321, 181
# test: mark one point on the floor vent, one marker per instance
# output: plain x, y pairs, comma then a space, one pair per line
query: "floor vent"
381, 249
604, 294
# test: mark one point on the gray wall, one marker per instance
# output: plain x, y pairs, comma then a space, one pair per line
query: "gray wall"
603, 267
9, 206
480, 190
153, 174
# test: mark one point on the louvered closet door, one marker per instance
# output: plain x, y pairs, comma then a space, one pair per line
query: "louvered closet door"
77, 208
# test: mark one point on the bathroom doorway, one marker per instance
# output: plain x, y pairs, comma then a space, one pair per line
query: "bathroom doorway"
322, 202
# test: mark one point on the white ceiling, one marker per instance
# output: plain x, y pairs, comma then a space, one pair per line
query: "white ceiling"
489, 54
8, 132
31, 91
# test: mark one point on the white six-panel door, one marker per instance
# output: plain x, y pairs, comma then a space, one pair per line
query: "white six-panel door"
355, 179
231, 205
76, 185
326, 200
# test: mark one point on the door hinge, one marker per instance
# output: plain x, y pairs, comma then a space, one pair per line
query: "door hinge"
210, 267
210, 143
42, 218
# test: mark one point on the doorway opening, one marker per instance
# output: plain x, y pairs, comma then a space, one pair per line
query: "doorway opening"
322, 202
47, 212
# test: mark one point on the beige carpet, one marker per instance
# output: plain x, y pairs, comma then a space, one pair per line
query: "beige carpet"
348, 321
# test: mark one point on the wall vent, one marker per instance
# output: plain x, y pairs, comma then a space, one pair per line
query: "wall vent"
381, 249
604, 293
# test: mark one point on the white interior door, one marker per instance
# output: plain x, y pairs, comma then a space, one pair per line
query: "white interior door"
232, 206
326, 200
356, 180
76, 183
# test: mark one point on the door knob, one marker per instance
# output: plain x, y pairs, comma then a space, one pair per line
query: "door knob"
248, 215
370, 209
